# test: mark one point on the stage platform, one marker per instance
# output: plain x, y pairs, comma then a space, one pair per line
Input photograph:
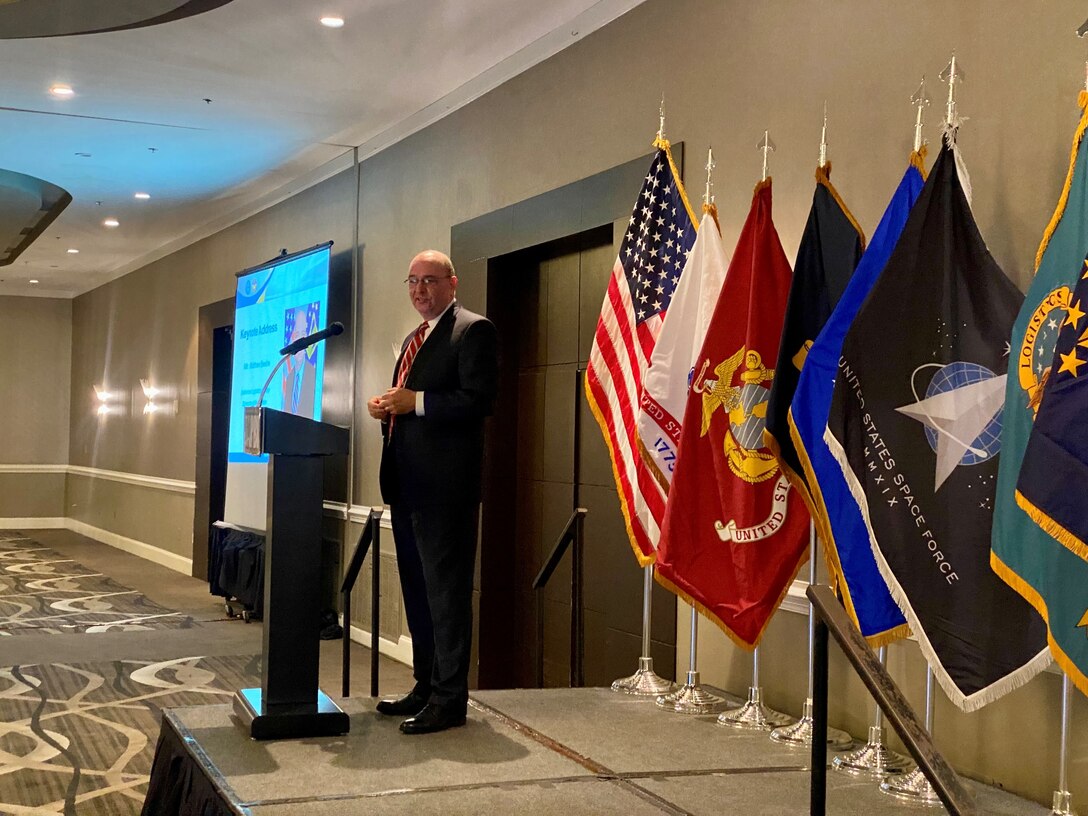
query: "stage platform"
556, 751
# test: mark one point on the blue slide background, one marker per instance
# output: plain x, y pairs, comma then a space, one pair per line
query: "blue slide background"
263, 301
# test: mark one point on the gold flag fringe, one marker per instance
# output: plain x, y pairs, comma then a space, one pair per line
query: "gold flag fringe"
705, 611
1059, 210
1064, 537
823, 177
643, 559
1028, 593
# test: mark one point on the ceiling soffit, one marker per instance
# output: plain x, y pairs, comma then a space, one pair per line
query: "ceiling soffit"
27, 206
25, 19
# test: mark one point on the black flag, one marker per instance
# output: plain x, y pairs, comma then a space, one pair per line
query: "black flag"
916, 426
830, 249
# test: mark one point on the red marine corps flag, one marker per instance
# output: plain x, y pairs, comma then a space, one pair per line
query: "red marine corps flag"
735, 533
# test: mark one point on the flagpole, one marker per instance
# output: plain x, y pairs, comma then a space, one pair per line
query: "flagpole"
645, 682
692, 697
952, 74
1063, 799
766, 146
823, 140
753, 715
919, 100
799, 734
913, 787
873, 759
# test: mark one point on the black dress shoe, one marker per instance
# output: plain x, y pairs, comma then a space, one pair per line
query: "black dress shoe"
411, 703
433, 718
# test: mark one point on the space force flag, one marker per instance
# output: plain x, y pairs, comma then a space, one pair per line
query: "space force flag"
735, 532
915, 425
672, 364
830, 248
851, 564
1052, 576
659, 237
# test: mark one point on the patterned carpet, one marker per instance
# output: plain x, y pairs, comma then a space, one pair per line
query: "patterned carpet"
41, 591
79, 739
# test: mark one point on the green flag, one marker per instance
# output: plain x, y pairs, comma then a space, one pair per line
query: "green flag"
1049, 576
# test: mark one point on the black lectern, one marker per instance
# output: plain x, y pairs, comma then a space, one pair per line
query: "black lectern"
289, 703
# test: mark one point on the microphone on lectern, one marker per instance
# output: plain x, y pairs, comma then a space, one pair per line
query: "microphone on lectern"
331, 330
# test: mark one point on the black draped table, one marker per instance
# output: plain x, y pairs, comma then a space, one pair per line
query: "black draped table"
180, 785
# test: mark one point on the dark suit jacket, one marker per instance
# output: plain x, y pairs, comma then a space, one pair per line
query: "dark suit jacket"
437, 458
306, 393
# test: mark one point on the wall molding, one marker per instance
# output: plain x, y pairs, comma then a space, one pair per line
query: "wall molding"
336, 510
33, 468
358, 514
33, 523
149, 552
400, 650
138, 479
796, 599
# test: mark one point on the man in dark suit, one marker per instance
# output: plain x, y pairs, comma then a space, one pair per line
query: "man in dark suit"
432, 418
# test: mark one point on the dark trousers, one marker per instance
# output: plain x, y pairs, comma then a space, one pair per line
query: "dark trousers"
436, 557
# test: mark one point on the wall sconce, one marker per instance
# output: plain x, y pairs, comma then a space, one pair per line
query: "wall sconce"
155, 404
105, 399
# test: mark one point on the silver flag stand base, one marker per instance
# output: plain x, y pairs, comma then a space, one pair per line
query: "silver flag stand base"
873, 759
645, 682
753, 715
799, 734
912, 788
1063, 804
691, 698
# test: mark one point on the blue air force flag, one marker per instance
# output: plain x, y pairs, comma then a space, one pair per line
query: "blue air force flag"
850, 558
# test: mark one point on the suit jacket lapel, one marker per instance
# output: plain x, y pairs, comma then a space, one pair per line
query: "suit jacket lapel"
427, 348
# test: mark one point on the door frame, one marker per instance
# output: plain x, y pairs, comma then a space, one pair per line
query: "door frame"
575, 208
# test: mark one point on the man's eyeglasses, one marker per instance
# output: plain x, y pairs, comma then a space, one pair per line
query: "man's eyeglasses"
429, 280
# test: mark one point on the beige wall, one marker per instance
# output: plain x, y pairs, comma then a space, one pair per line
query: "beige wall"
145, 326
35, 366
728, 70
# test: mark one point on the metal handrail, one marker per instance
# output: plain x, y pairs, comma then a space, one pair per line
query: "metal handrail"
370, 537
831, 619
573, 534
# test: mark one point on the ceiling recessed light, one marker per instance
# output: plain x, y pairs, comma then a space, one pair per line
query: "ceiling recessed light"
111, 222
61, 90
330, 21
33, 281
73, 251
142, 196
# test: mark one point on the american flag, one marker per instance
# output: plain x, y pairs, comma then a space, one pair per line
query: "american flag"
658, 240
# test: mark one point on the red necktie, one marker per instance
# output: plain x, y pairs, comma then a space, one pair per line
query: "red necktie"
407, 360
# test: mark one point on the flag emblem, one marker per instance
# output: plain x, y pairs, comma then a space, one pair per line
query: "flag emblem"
746, 406
742, 396
961, 412
1040, 337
